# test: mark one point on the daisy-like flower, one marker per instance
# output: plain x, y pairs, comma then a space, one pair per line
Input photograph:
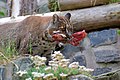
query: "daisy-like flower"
65, 61
74, 65
48, 69
43, 59
63, 76
82, 67
28, 79
36, 74
20, 73
88, 70
57, 53
47, 76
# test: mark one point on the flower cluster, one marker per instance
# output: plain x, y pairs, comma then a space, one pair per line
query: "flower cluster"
58, 60
57, 66
21, 73
38, 61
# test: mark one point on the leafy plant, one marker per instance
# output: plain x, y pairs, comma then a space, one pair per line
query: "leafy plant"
58, 68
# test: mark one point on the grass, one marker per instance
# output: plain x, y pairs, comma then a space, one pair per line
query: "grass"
8, 52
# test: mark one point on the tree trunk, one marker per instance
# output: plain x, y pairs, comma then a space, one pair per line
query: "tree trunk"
106, 16
75, 4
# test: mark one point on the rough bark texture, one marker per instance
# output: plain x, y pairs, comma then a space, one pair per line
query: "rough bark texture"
91, 18
97, 17
75, 4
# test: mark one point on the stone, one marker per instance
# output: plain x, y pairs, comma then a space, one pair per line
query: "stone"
114, 75
103, 37
80, 77
9, 71
106, 56
24, 63
80, 59
99, 71
70, 51
2, 73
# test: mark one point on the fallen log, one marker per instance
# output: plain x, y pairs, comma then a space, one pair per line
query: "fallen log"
105, 16
76, 4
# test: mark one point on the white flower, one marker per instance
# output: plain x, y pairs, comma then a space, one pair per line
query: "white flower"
57, 52
89, 70
65, 60
82, 67
20, 73
54, 65
43, 59
51, 62
47, 76
28, 79
63, 75
36, 74
64, 66
74, 65
48, 68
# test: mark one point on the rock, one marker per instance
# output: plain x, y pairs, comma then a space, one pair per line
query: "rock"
2, 73
80, 77
103, 37
74, 54
24, 63
70, 51
114, 75
107, 56
80, 59
9, 71
99, 71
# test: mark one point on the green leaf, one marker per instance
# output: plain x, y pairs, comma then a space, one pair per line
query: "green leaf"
2, 13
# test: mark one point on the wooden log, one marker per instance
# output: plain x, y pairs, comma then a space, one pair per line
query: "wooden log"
75, 4
106, 16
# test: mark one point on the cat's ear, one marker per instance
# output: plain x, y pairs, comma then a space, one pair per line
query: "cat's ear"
55, 18
68, 16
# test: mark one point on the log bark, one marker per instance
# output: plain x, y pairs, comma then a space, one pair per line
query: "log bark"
75, 4
107, 16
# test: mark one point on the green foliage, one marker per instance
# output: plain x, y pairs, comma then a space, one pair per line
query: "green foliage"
9, 50
57, 72
2, 14
53, 5
118, 31
113, 1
